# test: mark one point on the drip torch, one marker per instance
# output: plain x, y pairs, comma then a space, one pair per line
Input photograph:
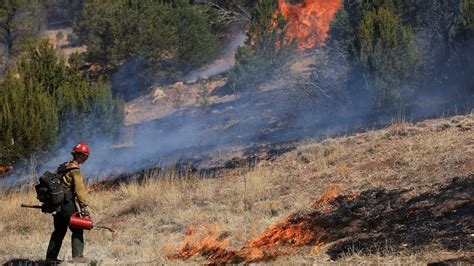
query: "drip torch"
76, 221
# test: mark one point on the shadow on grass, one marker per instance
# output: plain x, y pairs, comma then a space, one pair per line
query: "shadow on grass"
379, 221
27, 262
456, 261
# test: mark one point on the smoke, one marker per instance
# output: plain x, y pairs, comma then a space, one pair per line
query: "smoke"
222, 64
149, 145
191, 135
249, 123
129, 76
290, 109
133, 78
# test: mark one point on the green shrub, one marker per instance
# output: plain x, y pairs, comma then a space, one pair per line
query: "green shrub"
167, 38
385, 59
266, 50
43, 102
439, 64
28, 117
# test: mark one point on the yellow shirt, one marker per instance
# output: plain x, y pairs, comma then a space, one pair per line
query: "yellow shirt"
72, 180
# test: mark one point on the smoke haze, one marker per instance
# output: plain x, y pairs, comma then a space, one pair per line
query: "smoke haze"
290, 108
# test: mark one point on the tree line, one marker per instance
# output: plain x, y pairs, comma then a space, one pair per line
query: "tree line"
391, 51
387, 53
45, 102
159, 40
397, 49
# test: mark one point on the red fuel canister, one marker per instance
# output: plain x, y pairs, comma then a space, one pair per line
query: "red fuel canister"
77, 222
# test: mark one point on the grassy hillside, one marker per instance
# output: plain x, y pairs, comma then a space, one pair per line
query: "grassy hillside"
199, 219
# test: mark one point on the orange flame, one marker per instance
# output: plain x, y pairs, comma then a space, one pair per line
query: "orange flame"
5, 169
328, 196
279, 239
209, 242
309, 21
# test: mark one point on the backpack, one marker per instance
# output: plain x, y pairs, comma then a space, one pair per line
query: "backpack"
50, 192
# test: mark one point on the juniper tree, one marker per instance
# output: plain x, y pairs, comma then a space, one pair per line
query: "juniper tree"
28, 117
164, 39
266, 49
44, 102
385, 60
464, 61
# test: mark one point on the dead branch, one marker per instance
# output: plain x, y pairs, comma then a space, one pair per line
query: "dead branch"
229, 16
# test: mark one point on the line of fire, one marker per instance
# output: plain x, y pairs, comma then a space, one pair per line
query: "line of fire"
315, 131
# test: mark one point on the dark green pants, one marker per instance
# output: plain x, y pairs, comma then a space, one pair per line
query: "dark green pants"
61, 222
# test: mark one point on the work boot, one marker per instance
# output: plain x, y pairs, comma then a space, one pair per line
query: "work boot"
80, 259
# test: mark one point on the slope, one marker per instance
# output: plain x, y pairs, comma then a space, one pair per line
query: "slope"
386, 195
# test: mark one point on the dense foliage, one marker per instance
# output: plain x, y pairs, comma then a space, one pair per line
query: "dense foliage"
400, 50
381, 56
43, 102
166, 38
266, 50
20, 22
385, 58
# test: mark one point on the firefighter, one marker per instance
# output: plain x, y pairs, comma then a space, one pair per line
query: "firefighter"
75, 189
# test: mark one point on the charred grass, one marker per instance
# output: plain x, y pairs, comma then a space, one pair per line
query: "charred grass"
380, 196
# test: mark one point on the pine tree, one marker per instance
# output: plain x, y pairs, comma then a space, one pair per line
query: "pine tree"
385, 60
195, 43
466, 20
266, 49
43, 102
464, 54
347, 20
157, 39
29, 117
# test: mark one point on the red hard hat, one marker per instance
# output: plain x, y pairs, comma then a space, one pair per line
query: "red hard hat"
81, 148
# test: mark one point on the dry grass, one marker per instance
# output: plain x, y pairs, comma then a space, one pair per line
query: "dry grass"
167, 99
151, 216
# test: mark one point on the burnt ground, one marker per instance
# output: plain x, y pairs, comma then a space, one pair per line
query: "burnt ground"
389, 221
27, 262
253, 127
240, 132
374, 222
237, 133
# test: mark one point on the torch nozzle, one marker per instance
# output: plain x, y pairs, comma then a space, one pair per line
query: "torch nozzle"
105, 227
30, 206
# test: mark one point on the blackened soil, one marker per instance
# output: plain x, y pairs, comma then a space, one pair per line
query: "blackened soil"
463, 260
380, 221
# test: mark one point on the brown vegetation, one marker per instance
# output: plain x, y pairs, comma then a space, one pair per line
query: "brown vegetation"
265, 211
166, 99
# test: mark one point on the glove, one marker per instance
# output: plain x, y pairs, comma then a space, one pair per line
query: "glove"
85, 212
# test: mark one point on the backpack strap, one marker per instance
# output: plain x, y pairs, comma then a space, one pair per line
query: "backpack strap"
72, 165
62, 170
66, 167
